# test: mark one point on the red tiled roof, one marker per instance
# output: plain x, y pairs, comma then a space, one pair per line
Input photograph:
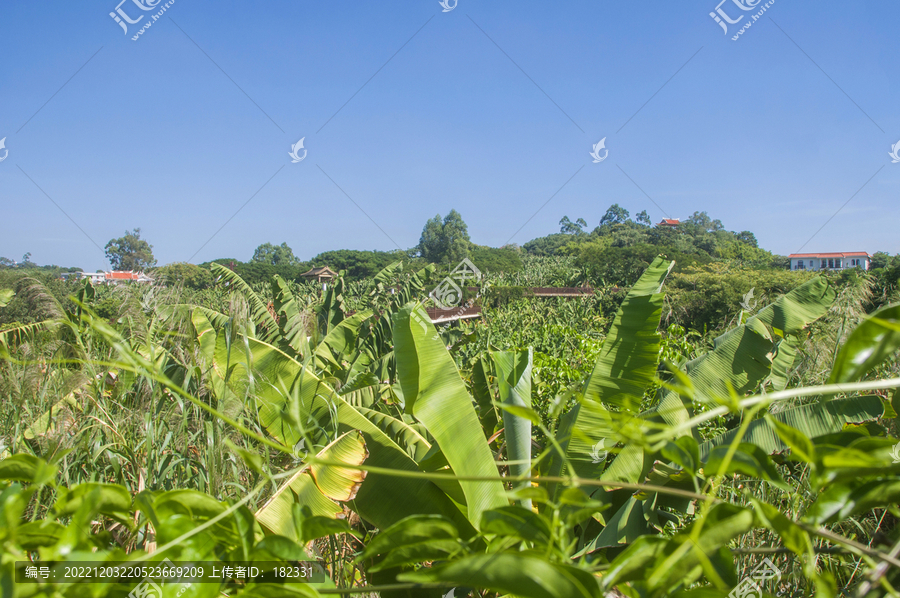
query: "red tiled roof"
669, 221
115, 275
827, 255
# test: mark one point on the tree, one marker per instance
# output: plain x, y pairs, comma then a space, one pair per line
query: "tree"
643, 218
572, 228
189, 275
880, 259
552, 244
357, 263
276, 255
445, 241
616, 214
130, 252
704, 222
747, 237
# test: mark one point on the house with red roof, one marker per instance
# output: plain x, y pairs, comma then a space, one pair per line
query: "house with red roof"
670, 222
830, 261
117, 276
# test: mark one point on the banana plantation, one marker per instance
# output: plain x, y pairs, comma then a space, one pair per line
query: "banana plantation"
553, 448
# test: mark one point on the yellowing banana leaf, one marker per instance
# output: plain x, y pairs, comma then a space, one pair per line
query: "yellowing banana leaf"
317, 486
338, 483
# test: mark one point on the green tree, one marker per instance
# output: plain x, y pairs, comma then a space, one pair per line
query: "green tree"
445, 241
358, 263
276, 255
643, 218
616, 214
703, 222
189, 275
747, 237
130, 252
552, 244
880, 259
568, 227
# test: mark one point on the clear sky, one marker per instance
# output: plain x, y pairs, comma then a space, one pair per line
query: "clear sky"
491, 108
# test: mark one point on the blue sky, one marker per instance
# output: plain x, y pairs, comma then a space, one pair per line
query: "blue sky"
765, 133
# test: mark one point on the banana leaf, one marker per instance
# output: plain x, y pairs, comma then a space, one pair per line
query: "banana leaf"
436, 395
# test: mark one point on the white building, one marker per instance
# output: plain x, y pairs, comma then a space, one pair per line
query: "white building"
830, 261
94, 277
113, 277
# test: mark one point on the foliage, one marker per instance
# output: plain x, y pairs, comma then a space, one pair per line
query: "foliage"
130, 252
358, 264
709, 297
616, 214
184, 274
269, 422
445, 242
489, 259
567, 227
620, 248
276, 255
553, 244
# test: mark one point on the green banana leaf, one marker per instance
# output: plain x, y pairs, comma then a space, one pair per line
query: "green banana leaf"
524, 574
289, 399
740, 361
266, 327
874, 340
293, 325
813, 420
436, 395
625, 368
785, 354
514, 382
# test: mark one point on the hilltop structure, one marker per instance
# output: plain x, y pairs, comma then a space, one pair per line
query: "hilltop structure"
830, 261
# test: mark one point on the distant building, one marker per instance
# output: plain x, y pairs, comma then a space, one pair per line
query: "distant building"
113, 277
830, 261
117, 276
94, 277
670, 222
323, 274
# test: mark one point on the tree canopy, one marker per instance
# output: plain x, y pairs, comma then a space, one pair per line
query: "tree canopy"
568, 227
445, 242
276, 255
130, 252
